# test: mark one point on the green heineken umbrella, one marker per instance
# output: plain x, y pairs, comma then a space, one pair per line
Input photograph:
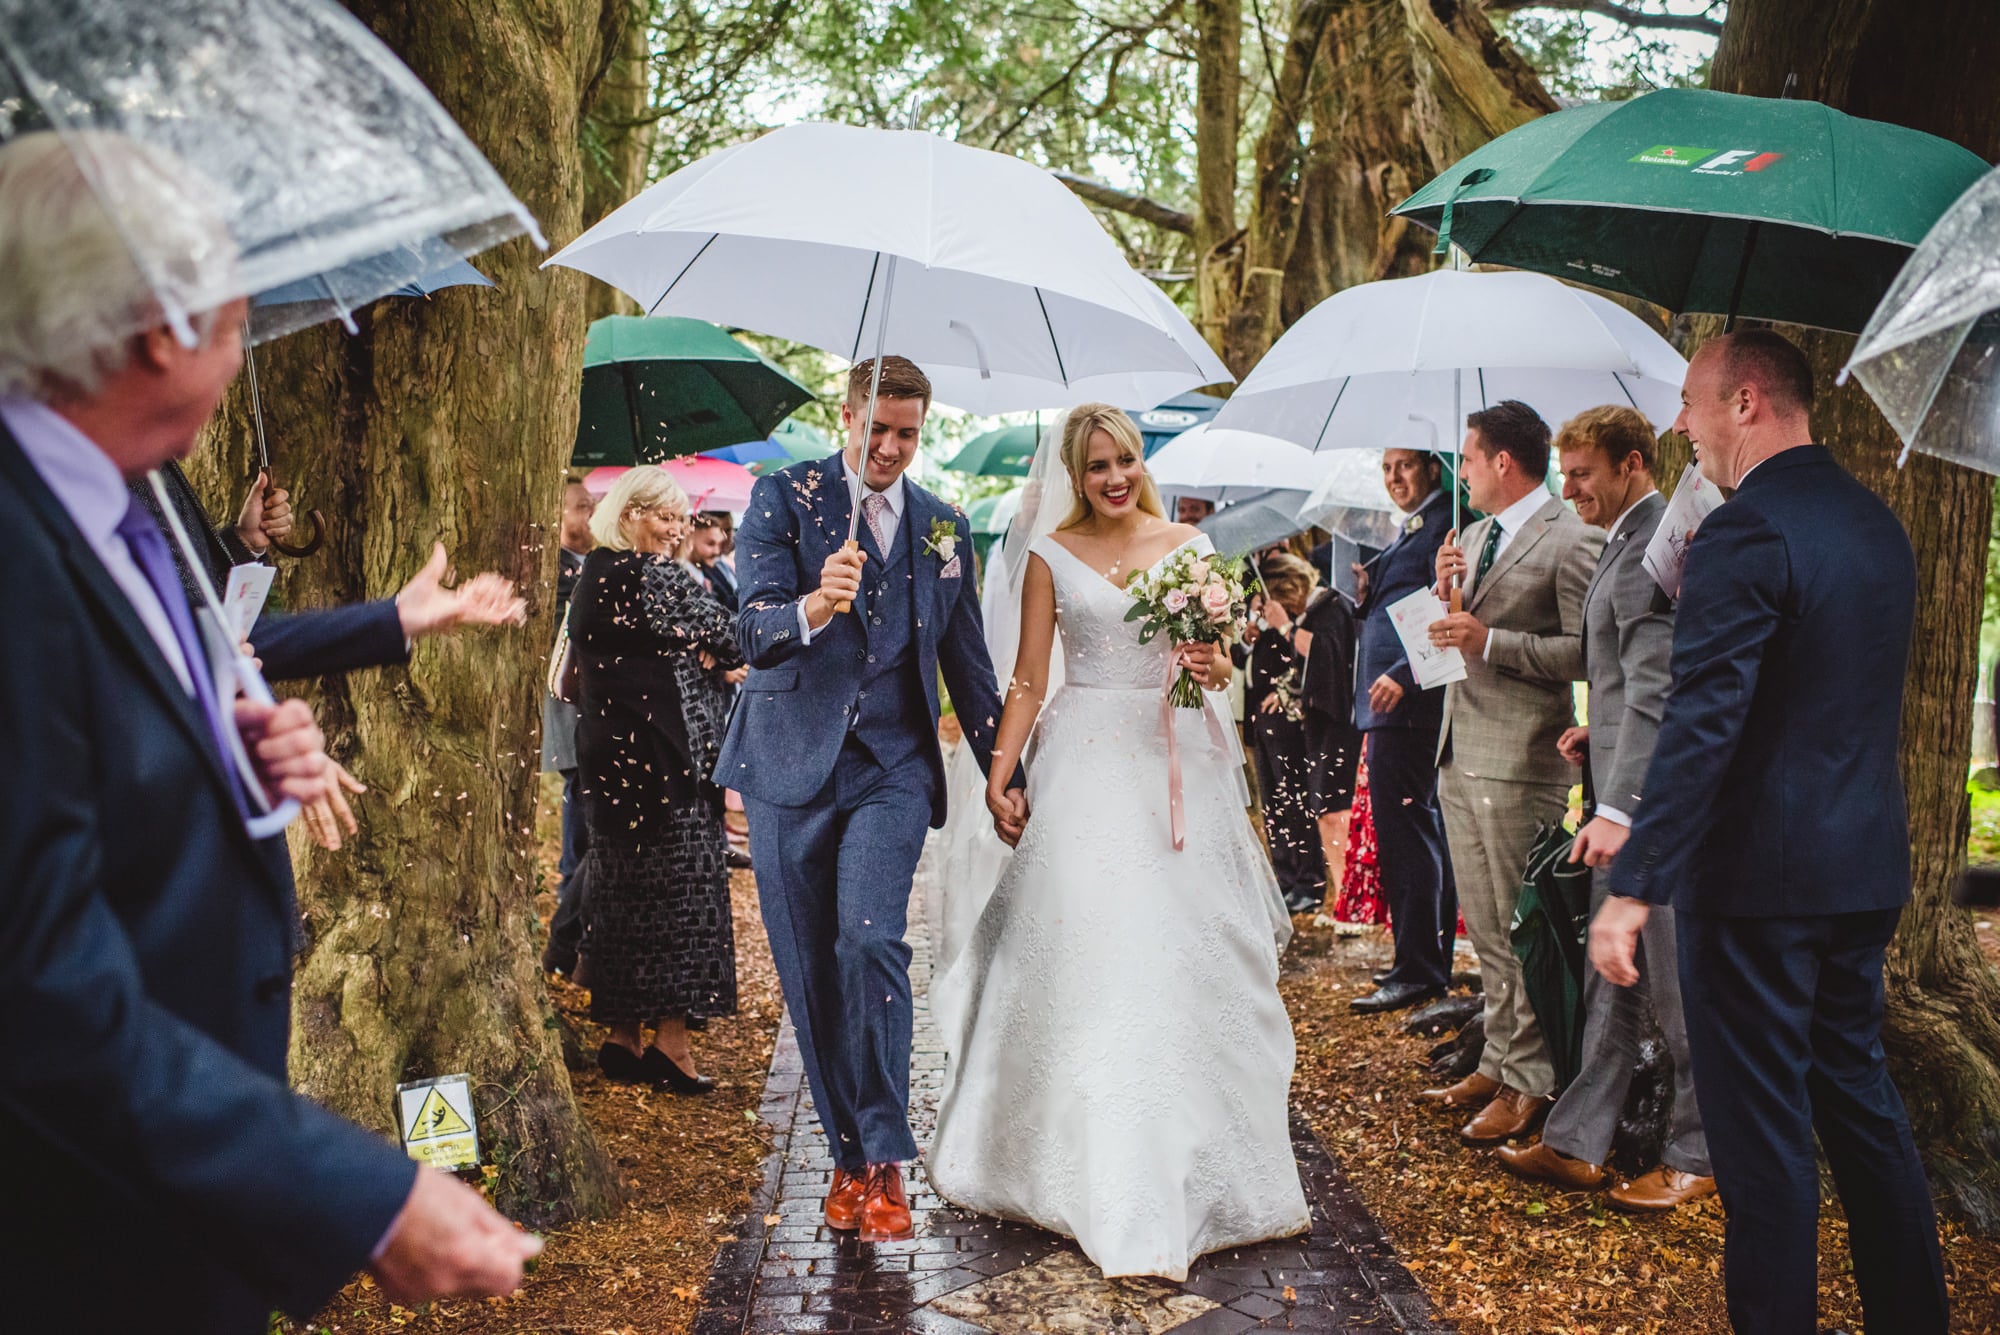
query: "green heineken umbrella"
656, 388
1704, 201
1005, 451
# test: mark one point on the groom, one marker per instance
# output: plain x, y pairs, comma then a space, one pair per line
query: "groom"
834, 747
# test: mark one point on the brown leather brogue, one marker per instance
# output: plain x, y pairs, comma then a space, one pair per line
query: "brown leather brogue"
1661, 1190
843, 1200
1510, 1114
1541, 1162
1475, 1091
885, 1211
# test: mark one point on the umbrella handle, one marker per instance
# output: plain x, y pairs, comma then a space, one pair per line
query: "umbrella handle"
844, 606
1457, 599
312, 544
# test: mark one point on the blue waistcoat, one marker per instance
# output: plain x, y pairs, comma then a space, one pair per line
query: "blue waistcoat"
892, 715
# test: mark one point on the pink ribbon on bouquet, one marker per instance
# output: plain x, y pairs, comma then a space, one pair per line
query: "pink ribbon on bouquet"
1176, 804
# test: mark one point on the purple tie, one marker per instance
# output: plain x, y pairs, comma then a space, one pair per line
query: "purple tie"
149, 552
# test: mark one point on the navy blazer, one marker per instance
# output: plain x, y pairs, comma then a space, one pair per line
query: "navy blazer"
145, 988
1406, 565
1774, 788
792, 715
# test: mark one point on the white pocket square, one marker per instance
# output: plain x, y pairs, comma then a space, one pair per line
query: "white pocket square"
952, 570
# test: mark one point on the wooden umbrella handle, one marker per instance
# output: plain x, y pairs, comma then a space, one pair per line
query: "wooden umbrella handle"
310, 545
1457, 599
844, 606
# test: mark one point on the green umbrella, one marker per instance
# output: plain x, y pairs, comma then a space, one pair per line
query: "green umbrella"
1005, 451
666, 386
1704, 201
1551, 925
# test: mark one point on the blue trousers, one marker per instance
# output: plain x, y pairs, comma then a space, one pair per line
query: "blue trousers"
1415, 864
833, 881
1784, 1020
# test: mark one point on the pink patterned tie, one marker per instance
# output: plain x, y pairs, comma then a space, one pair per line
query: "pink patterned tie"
875, 509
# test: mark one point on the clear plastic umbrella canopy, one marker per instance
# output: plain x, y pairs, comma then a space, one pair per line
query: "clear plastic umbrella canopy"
293, 143
1930, 356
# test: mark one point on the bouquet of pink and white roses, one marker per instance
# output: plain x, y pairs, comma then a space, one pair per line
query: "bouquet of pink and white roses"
1193, 598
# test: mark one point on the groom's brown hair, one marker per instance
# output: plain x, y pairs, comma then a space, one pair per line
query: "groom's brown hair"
901, 379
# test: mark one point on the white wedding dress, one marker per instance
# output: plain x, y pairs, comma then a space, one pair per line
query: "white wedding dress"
1118, 1056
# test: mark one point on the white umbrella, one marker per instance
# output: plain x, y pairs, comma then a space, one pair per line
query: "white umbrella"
994, 277
1217, 464
1362, 364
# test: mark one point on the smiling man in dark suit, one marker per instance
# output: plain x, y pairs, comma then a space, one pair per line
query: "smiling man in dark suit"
145, 917
1774, 825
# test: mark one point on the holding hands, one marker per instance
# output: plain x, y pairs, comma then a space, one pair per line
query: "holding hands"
1010, 812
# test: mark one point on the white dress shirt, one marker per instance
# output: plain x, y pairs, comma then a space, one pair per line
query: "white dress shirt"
894, 494
89, 486
1611, 813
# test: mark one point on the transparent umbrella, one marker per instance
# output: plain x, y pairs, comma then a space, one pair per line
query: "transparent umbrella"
284, 126
1930, 356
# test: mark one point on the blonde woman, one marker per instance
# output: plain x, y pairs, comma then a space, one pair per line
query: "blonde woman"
661, 947
1118, 1055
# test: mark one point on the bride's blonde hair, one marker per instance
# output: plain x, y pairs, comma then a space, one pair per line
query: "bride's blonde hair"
1085, 420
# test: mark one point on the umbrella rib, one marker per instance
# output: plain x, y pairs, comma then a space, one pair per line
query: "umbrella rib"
654, 309
866, 297
1054, 346
1331, 409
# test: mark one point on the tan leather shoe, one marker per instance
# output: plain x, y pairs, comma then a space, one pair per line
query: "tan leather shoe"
1510, 1114
885, 1211
1475, 1091
1540, 1162
1660, 1190
843, 1200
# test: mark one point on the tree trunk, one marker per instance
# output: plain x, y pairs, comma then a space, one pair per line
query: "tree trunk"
1392, 91
1924, 64
618, 134
448, 419
1218, 123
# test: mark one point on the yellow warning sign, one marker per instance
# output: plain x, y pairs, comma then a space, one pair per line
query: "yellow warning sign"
439, 1127
437, 1118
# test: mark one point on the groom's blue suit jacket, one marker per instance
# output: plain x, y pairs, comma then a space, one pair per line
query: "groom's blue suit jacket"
799, 703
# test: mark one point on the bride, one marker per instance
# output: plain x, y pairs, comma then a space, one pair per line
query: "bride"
1118, 1056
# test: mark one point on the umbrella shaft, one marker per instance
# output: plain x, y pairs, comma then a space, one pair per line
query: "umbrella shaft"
256, 402
868, 418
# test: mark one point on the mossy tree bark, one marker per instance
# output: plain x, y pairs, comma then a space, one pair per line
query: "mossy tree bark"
448, 419
1924, 64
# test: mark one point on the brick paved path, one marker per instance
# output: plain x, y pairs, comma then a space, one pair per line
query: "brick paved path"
966, 1274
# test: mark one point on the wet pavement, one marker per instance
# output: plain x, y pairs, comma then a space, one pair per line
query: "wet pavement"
969, 1274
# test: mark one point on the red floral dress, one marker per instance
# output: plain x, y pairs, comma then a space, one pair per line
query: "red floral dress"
1360, 898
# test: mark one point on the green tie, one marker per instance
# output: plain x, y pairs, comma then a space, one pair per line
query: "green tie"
1488, 552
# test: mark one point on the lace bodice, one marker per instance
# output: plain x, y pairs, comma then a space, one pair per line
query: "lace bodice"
1100, 647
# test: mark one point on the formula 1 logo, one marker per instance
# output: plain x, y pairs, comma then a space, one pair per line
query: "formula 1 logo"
1707, 161
1736, 161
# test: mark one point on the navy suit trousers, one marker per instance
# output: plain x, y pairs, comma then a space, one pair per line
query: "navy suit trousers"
1784, 1019
833, 879
1415, 864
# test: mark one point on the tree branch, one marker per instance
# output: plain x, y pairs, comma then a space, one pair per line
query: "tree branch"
1122, 201
1625, 14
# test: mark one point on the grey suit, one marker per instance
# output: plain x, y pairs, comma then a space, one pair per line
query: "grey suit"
1499, 774
1628, 637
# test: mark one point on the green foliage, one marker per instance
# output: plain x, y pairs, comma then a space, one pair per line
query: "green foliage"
1589, 58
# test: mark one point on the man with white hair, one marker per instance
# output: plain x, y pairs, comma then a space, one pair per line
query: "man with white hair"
144, 925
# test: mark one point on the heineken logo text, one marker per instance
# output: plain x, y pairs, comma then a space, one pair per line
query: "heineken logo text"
1708, 161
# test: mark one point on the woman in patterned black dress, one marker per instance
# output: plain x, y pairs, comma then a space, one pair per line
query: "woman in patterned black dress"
661, 947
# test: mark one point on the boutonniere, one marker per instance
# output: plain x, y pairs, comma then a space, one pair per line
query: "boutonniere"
1413, 523
943, 542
